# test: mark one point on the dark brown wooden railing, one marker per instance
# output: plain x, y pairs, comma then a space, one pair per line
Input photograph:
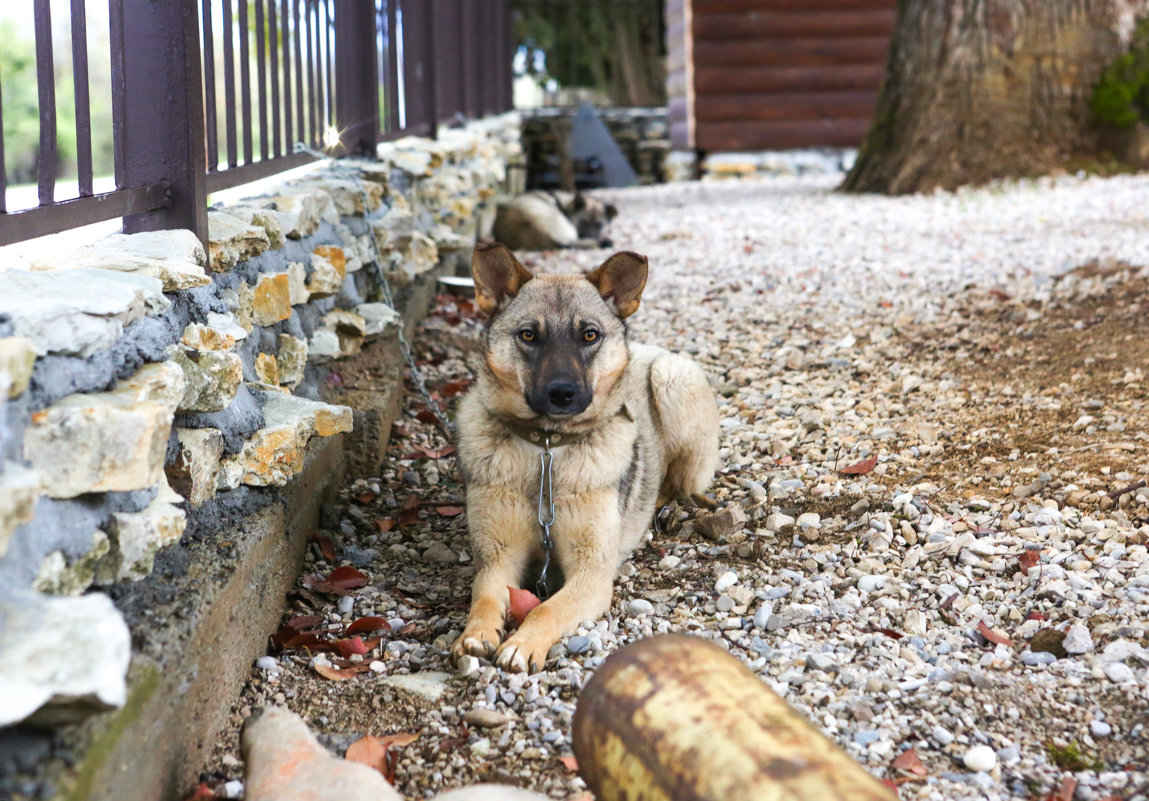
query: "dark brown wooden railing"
212, 94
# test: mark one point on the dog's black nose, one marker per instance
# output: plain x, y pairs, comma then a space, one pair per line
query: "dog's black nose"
561, 393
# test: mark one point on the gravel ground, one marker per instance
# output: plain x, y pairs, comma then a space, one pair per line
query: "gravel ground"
981, 594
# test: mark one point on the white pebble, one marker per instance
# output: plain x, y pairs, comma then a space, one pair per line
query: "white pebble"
980, 758
726, 581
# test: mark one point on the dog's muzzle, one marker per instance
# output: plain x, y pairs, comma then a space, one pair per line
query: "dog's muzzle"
560, 397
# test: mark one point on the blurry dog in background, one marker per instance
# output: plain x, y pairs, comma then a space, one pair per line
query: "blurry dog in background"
552, 220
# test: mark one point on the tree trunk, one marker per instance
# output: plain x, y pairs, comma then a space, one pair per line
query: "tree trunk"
983, 89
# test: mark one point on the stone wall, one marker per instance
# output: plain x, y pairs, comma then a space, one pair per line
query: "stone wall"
152, 390
641, 133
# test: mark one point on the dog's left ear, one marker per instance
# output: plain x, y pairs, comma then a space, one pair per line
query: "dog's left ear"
620, 280
498, 275
610, 211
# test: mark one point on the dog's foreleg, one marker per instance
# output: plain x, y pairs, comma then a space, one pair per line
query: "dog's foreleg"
502, 541
587, 547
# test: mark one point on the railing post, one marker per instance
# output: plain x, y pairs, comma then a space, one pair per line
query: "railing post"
157, 96
356, 76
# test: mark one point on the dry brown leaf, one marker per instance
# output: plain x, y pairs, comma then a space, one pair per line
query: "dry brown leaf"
350, 646
341, 581
1027, 559
449, 511
570, 762
861, 468
369, 751
336, 674
910, 762
993, 635
326, 547
365, 624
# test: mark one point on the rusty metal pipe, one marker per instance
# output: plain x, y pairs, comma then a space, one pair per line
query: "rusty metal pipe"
676, 718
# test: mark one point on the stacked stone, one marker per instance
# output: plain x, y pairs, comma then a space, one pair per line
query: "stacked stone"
643, 135
143, 378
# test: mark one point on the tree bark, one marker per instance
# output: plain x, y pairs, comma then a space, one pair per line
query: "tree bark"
676, 718
983, 89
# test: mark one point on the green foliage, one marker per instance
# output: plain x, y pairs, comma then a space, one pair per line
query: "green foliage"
21, 124
613, 46
1121, 95
1072, 757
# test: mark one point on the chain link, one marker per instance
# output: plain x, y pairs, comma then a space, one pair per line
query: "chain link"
388, 297
546, 512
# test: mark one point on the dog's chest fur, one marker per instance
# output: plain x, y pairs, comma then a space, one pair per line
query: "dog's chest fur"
623, 454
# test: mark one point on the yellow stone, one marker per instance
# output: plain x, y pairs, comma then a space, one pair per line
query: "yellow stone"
203, 337
336, 256
267, 368
272, 301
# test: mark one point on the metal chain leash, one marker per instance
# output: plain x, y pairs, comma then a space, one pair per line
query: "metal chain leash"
546, 512
385, 285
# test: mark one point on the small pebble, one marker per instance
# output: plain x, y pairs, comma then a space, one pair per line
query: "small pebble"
726, 581
980, 758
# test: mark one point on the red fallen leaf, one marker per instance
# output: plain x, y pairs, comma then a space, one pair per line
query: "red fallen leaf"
426, 416
453, 388
384, 524
349, 646
365, 624
336, 674
372, 643
885, 304
287, 637
202, 793
410, 502
407, 628
861, 468
910, 762
326, 546
522, 602
997, 293
365, 497
341, 581
437, 453
1035, 615
893, 635
891, 784
991, 634
449, 511
1027, 559
409, 517
570, 762
301, 622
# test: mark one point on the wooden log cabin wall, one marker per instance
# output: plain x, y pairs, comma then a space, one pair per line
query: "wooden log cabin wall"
774, 74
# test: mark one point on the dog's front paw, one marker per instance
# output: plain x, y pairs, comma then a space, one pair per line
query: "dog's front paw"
476, 642
522, 654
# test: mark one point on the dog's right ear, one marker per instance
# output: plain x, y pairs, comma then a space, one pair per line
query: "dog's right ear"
498, 275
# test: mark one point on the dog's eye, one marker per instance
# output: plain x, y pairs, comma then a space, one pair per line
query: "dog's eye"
527, 335
590, 336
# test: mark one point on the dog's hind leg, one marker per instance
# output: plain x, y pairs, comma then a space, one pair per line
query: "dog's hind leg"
688, 421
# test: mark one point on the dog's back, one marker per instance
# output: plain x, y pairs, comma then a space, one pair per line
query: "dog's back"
534, 222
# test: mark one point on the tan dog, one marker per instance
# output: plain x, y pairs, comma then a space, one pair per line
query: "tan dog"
551, 220
629, 427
